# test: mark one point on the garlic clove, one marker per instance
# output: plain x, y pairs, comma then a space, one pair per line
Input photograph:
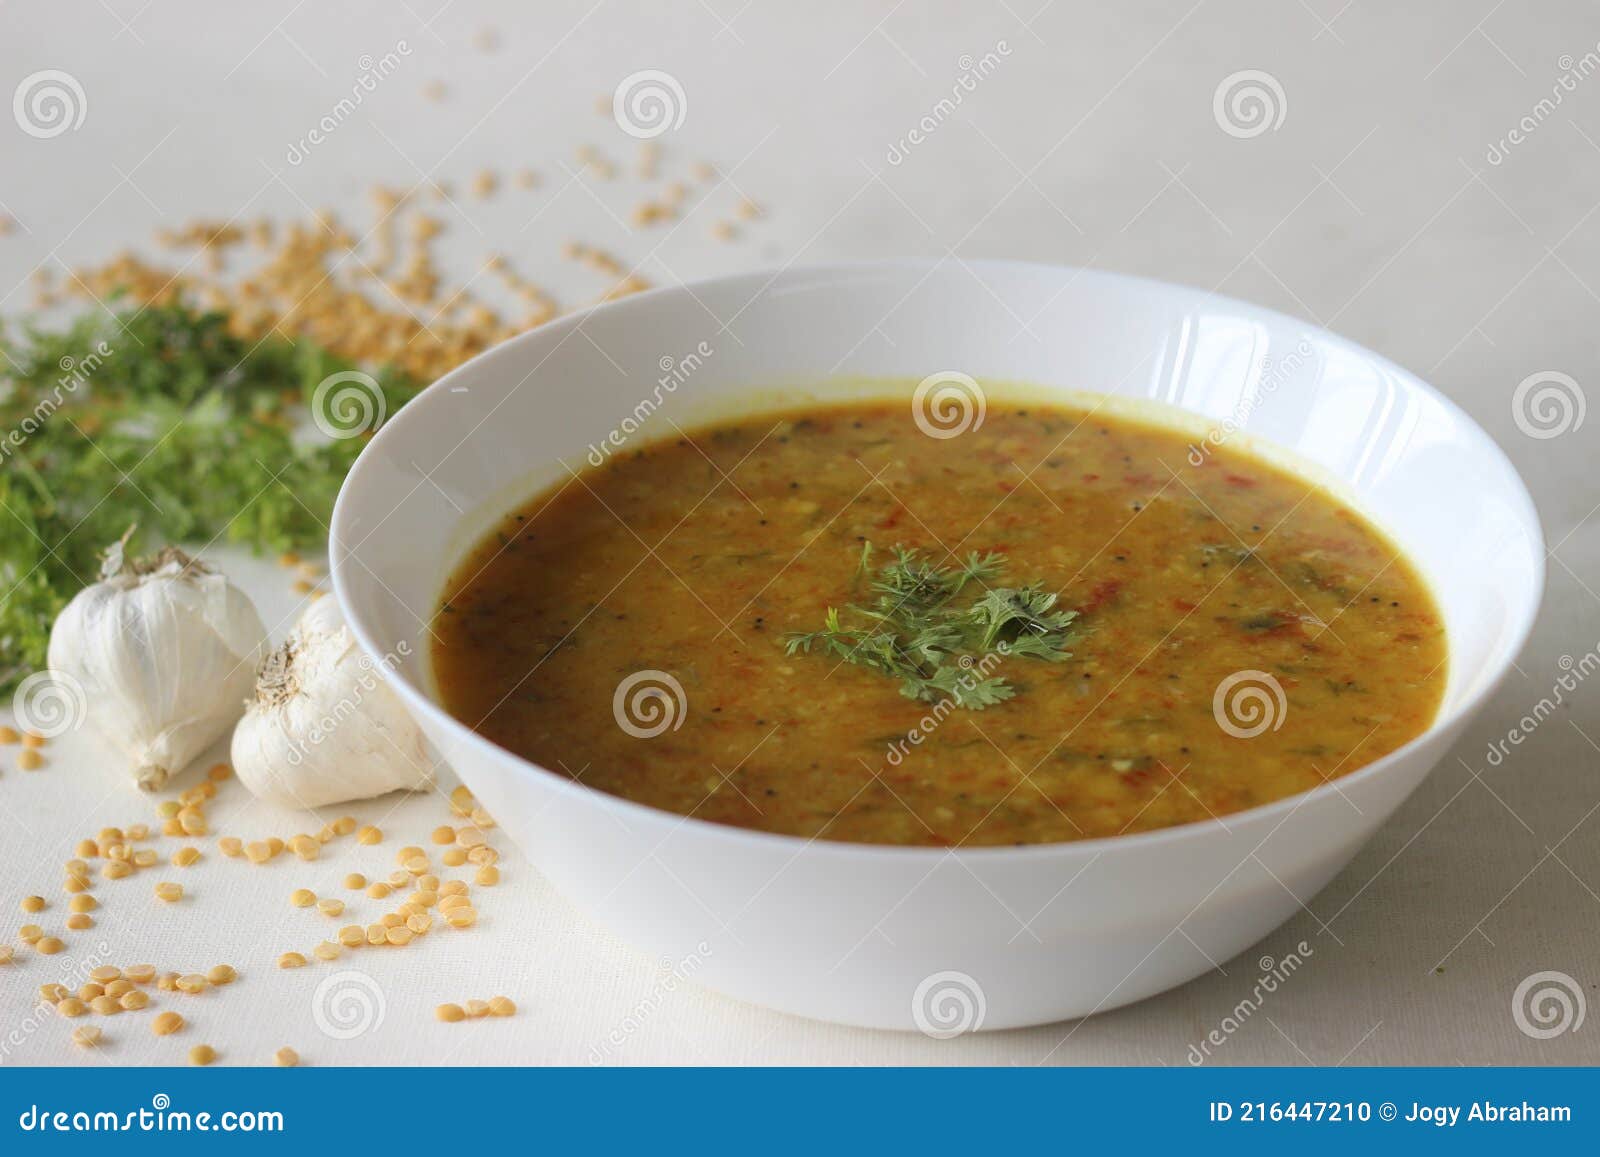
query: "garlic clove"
324, 727
165, 649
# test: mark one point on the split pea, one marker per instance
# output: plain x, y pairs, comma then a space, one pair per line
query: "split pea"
222, 974
202, 1055
291, 960
286, 1058
169, 892
450, 1012
166, 1023
86, 1036
302, 897
33, 903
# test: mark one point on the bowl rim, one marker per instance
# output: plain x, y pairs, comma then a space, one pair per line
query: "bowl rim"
756, 839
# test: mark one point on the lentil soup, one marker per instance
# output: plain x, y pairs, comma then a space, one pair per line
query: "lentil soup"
830, 624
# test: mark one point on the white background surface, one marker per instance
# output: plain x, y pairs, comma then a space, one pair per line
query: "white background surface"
1372, 208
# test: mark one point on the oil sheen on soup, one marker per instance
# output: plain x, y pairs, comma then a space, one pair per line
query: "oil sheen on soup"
1058, 625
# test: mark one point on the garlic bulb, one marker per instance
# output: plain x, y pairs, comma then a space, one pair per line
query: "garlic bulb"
165, 649
324, 727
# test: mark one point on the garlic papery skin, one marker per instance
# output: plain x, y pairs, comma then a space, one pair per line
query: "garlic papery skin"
166, 650
324, 727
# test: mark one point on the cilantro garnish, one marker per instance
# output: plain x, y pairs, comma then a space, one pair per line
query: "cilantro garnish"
940, 630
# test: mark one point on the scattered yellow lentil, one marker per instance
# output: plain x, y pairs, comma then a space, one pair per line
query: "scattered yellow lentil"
502, 1006
86, 1036
327, 950
231, 846
75, 885
6, 953
291, 960
106, 973
9, 734
167, 982
330, 907
222, 974
184, 857
444, 835
454, 857
344, 825
169, 892
258, 851
83, 903
464, 917
119, 986
135, 1000
487, 876
33, 904
140, 973
78, 921
355, 880
369, 835
202, 1055
377, 934
193, 983
352, 936
53, 993
379, 890
286, 1057
166, 1023
450, 1012
91, 989
105, 1005
49, 946
71, 1006
302, 897
29, 760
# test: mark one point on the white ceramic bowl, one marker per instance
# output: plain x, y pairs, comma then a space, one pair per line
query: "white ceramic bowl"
918, 937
